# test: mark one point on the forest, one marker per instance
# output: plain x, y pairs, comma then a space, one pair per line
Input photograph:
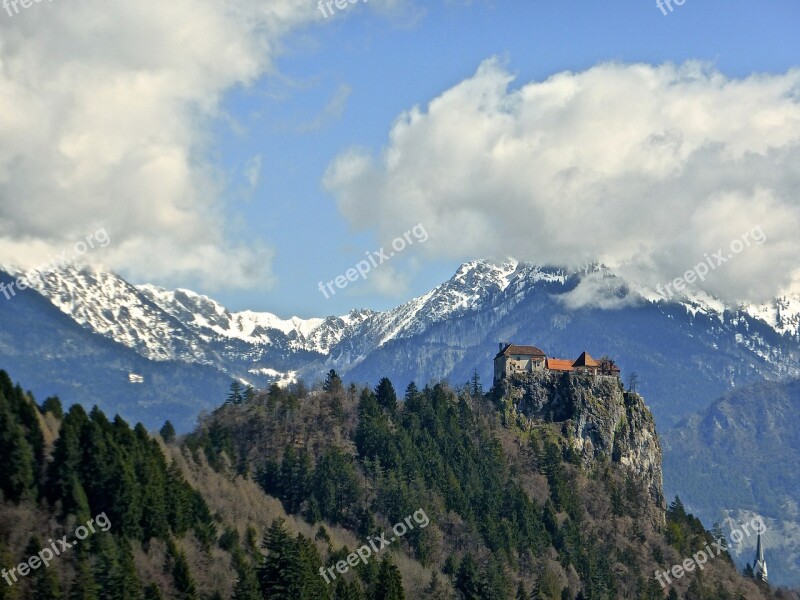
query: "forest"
276, 486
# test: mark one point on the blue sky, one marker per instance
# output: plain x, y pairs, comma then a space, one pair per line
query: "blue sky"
390, 66
251, 149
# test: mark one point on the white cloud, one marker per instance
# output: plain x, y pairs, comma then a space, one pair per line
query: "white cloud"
104, 115
645, 168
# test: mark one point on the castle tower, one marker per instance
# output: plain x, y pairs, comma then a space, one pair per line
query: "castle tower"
760, 565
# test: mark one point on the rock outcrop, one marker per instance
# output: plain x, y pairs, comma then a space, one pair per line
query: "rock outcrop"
598, 418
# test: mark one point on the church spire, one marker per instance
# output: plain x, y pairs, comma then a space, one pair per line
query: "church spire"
760, 566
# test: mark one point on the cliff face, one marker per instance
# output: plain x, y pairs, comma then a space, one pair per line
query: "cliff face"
598, 419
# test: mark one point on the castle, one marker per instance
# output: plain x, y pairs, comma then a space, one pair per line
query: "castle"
512, 359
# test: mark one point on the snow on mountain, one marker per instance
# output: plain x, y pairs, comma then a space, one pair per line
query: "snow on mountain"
783, 314
182, 325
210, 319
109, 306
471, 288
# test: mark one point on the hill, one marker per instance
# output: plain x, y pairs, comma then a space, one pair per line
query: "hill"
739, 458
473, 496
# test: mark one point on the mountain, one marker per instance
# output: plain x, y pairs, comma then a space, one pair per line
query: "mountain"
57, 356
686, 351
741, 457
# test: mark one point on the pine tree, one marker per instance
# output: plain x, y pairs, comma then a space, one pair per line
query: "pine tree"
106, 568
389, 585
53, 405
45, 584
412, 397
280, 573
333, 383
467, 580
84, 586
286, 477
181, 574
17, 470
748, 571
249, 394
314, 587
476, 389
386, 396
336, 487
128, 584
247, 587
167, 432
63, 471
236, 395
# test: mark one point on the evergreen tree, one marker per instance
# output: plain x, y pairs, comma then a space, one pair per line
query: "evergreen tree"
467, 579
333, 383
748, 571
236, 395
494, 585
249, 394
44, 583
247, 587
336, 487
181, 574
386, 396
63, 471
17, 467
280, 572
167, 432
389, 585
84, 586
53, 405
476, 389
7, 592
127, 581
412, 398
314, 587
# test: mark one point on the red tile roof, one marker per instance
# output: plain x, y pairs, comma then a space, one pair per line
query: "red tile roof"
559, 364
584, 360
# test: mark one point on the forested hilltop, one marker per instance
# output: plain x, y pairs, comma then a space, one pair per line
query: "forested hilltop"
456, 494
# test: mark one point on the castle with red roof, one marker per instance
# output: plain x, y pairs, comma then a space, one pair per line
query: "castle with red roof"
513, 359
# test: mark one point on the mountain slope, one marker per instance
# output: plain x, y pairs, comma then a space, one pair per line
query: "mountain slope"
56, 356
739, 457
685, 351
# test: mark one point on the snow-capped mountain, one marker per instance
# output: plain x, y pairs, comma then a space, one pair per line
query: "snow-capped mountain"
453, 329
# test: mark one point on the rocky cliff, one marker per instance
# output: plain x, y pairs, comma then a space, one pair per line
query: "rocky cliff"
598, 419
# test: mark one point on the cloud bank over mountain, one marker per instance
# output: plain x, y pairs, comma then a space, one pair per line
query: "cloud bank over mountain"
645, 168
